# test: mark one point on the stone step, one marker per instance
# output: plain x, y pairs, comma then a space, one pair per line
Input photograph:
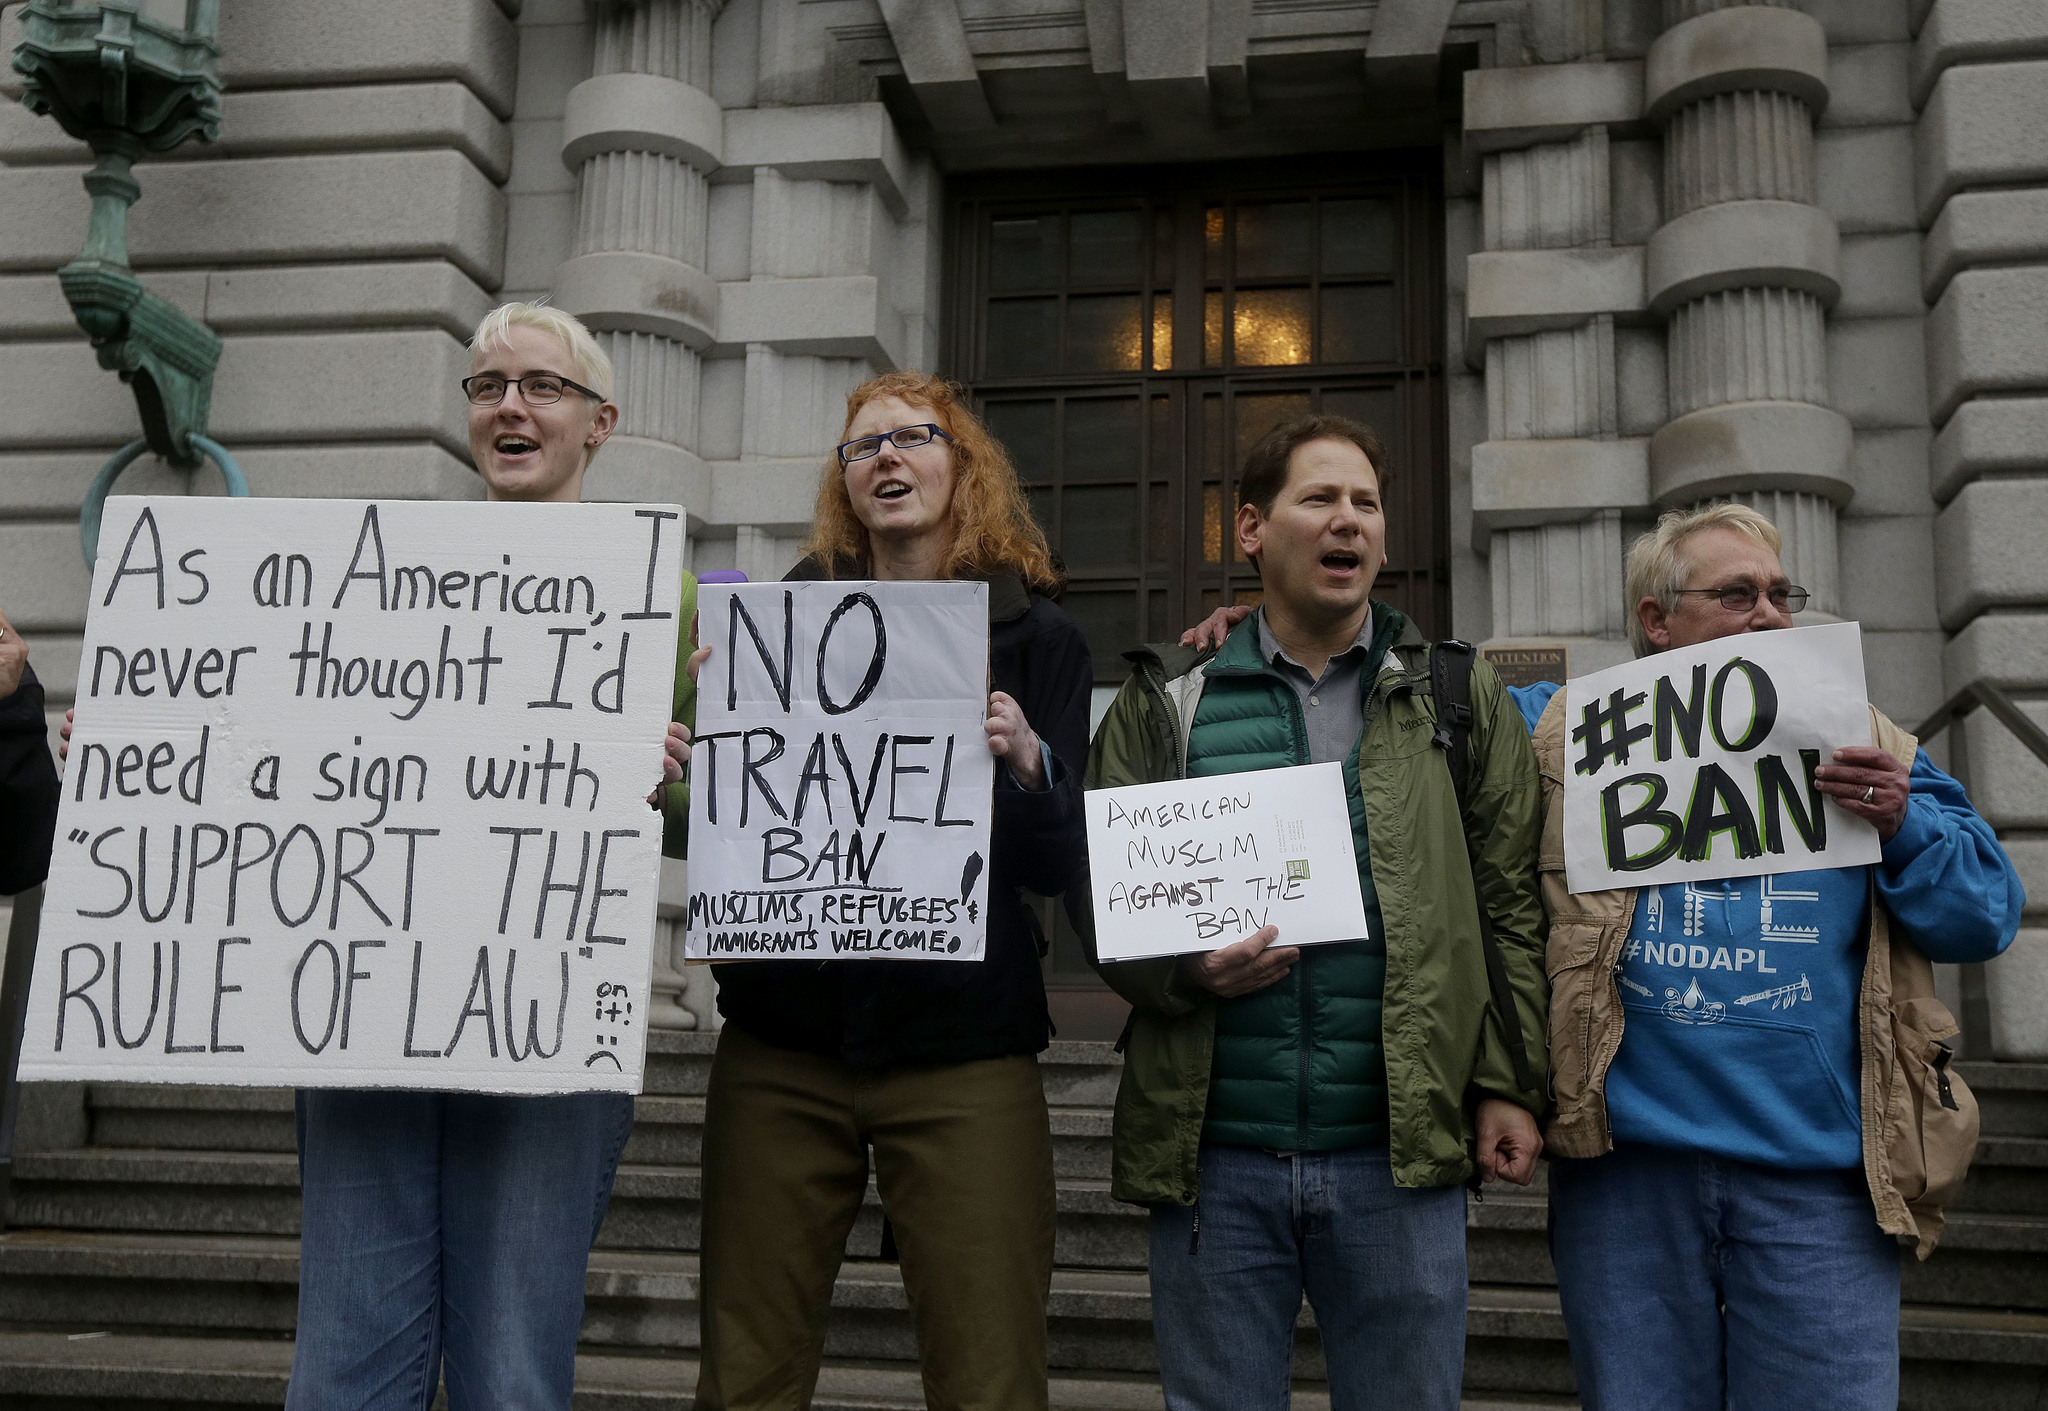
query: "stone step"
1988, 1259
1954, 1360
646, 1300
2009, 1175
2012, 1096
40, 1370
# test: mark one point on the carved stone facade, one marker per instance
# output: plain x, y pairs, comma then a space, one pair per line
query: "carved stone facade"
1794, 254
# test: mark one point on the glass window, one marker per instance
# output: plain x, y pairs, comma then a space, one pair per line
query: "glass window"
1273, 240
1099, 526
1020, 336
1024, 253
1108, 618
1361, 324
1103, 333
1102, 439
1271, 327
1358, 237
1106, 247
1026, 431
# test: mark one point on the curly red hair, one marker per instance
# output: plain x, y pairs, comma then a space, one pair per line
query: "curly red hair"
993, 529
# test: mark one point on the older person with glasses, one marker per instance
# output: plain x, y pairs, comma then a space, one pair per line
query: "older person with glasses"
450, 1232
931, 1065
1753, 1107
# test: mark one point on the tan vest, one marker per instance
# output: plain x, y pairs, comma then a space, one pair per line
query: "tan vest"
1919, 1117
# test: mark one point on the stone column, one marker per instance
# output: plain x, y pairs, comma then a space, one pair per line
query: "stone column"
1556, 472
1744, 270
641, 134
1558, 578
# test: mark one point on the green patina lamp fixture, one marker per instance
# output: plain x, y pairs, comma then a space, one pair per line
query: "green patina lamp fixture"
126, 84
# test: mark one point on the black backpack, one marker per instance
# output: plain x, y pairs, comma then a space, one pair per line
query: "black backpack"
1450, 682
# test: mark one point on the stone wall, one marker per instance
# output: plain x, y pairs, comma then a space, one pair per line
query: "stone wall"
343, 237
1978, 78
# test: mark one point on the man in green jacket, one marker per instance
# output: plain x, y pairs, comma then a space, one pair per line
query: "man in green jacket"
1299, 1119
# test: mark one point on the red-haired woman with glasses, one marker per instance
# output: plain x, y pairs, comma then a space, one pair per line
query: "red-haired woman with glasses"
931, 1065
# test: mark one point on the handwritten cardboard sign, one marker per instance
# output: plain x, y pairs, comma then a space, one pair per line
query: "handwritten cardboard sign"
840, 785
357, 797
1197, 864
1698, 763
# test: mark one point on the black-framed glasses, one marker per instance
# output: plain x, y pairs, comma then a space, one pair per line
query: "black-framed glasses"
1741, 597
903, 438
540, 389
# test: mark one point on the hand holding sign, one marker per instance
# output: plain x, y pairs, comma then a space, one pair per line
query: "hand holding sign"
1870, 784
1245, 967
840, 796
1706, 762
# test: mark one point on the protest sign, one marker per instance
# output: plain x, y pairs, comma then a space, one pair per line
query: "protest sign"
1196, 864
357, 797
840, 782
1698, 763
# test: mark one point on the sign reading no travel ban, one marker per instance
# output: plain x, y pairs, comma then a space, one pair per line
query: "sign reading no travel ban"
357, 797
840, 781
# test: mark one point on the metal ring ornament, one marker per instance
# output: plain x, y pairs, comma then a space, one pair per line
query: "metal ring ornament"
95, 502
1869, 792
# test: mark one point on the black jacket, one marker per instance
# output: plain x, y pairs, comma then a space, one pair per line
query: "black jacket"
28, 788
878, 1013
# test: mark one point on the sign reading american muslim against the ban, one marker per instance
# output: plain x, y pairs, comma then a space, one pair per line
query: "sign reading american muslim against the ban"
357, 797
840, 781
1197, 864
1698, 763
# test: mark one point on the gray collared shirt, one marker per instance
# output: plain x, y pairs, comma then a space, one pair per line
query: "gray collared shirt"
1333, 704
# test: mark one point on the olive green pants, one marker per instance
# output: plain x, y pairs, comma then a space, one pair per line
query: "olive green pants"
963, 1161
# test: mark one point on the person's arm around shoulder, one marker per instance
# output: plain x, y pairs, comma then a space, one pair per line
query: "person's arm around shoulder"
1503, 825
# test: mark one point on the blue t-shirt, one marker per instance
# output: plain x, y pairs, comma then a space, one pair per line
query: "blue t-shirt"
1741, 994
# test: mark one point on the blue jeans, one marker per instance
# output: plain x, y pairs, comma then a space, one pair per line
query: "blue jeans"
1693, 1282
454, 1224
1383, 1268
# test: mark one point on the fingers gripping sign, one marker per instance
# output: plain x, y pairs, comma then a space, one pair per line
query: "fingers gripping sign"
1244, 968
1011, 739
1869, 783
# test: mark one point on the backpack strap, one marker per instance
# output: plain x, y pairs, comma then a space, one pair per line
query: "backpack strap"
1450, 684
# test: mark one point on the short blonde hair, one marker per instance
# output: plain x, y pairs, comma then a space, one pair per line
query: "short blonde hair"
1658, 567
593, 367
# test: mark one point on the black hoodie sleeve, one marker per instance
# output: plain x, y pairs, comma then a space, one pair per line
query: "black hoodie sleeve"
1042, 661
28, 788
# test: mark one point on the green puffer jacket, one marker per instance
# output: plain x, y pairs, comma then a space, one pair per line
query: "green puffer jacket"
1444, 1047
1296, 1066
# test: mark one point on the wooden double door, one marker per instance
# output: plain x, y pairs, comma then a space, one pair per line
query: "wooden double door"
1130, 334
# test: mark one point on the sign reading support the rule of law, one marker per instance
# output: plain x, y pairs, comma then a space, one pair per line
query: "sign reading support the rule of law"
1698, 763
840, 783
356, 797
1197, 864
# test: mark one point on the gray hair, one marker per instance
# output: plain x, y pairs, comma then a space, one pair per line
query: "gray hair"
1658, 567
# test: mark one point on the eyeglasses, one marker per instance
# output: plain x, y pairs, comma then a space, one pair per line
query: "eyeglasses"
540, 389
1741, 597
903, 438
